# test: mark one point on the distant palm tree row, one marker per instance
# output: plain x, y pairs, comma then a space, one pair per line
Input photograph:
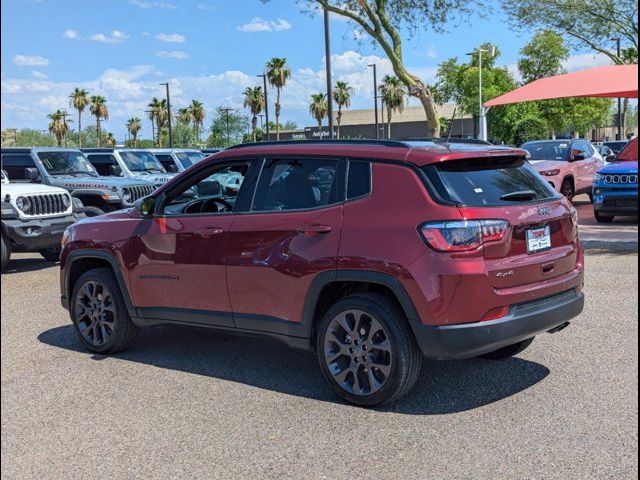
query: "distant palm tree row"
278, 73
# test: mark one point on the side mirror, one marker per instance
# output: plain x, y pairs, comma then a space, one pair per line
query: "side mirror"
146, 206
115, 171
577, 157
5, 174
171, 168
32, 174
611, 158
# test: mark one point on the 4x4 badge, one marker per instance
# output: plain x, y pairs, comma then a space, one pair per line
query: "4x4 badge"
544, 211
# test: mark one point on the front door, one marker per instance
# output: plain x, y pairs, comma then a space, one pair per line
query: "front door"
291, 234
181, 254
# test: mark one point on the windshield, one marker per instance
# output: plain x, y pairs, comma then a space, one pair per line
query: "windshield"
629, 153
67, 163
558, 151
142, 161
188, 159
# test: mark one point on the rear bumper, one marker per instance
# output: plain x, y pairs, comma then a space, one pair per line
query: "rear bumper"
524, 321
34, 235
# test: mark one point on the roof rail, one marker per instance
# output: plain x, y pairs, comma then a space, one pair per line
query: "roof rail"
383, 143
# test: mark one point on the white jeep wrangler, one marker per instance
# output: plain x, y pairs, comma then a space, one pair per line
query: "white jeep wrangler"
34, 217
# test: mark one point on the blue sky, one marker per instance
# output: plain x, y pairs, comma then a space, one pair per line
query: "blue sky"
208, 49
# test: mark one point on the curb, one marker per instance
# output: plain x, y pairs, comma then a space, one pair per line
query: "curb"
610, 246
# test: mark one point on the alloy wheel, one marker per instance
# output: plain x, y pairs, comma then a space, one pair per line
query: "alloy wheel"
357, 352
95, 313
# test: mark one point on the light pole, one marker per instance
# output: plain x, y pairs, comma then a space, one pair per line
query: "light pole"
375, 97
619, 119
327, 47
482, 120
227, 110
266, 103
169, 114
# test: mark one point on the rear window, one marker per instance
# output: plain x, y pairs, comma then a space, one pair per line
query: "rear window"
485, 182
630, 152
558, 151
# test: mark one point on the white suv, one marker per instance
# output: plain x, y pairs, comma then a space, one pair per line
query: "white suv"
568, 165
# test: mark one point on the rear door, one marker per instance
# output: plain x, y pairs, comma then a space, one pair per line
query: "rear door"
290, 234
587, 167
542, 240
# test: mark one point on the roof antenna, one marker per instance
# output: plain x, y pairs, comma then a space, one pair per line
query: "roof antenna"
453, 117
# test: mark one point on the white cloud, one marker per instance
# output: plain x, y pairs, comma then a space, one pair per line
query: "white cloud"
258, 24
145, 4
39, 75
170, 37
175, 54
116, 36
205, 7
70, 34
30, 61
587, 60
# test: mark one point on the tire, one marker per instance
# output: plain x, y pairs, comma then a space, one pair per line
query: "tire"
117, 332
51, 254
93, 211
600, 218
381, 334
6, 254
509, 351
568, 189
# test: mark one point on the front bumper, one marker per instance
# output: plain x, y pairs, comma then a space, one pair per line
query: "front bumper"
40, 234
523, 321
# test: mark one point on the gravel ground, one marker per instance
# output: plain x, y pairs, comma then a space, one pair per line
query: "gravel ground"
196, 404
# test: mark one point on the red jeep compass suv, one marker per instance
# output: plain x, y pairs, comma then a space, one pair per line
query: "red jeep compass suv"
371, 254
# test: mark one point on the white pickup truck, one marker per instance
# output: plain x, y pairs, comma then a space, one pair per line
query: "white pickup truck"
34, 217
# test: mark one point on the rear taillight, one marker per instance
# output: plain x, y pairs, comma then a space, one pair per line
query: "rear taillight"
462, 236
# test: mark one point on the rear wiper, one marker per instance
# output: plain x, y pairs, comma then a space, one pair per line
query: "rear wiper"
521, 195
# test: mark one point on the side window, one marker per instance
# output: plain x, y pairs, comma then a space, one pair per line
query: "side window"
295, 184
102, 163
358, 180
213, 191
16, 165
165, 160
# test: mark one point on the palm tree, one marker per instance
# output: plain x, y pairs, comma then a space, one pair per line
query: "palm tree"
98, 108
134, 124
319, 108
110, 140
278, 72
159, 113
198, 115
254, 101
58, 125
79, 99
342, 96
184, 115
393, 96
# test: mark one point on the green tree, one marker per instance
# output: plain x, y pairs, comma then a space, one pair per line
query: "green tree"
27, 137
159, 113
134, 125
58, 125
529, 128
543, 56
386, 21
290, 125
239, 125
79, 99
342, 96
584, 114
393, 96
587, 23
184, 136
254, 101
198, 116
319, 108
110, 140
184, 115
278, 73
98, 108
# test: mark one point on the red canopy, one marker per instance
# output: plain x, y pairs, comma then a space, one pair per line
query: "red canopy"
613, 81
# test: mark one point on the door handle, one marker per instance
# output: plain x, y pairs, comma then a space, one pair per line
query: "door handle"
311, 230
208, 232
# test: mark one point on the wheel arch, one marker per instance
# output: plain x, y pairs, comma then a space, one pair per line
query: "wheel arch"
80, 261
329, 287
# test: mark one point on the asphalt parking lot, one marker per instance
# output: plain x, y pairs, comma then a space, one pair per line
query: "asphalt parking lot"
192, 404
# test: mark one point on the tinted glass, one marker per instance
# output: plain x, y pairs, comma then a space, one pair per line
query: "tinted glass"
483, 182
16, 165
141, 161
66, 163
165, 160
559, 150
615, 146
102, 163
188, 159
629, 153
293, 184
359, 180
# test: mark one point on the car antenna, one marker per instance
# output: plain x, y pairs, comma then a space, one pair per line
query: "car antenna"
453, 117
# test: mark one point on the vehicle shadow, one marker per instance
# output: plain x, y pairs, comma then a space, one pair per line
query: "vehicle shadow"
443, 387
28, 264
